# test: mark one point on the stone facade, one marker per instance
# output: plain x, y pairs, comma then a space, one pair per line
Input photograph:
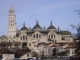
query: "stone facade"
35, 35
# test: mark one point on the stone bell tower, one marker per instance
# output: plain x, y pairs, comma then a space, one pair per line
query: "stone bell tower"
11, 23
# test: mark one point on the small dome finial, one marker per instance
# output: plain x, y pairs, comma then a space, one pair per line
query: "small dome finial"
37, 23
58, 29
44, 28
24, 24
51, 23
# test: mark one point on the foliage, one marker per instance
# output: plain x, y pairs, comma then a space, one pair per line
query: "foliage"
5, 44
16, 43
49, 40
77, 30
77, 35
24, 44
63, 53
54, 52
35, 54
77, 48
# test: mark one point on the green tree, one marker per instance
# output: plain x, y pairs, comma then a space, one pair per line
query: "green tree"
54, 52
24, 44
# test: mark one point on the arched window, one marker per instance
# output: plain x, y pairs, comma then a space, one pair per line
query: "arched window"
51, 36
23, 37
36, 35
11, 24
26, 37
39, 36
54, 36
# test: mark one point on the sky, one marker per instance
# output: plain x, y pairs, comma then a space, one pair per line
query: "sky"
60, 12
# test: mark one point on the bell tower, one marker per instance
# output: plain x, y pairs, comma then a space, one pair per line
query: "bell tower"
11, 23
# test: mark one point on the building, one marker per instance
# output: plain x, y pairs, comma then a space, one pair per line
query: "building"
35, 35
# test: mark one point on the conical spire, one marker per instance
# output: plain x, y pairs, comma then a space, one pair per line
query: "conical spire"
51, 23
11, 8
24, 24
37, 23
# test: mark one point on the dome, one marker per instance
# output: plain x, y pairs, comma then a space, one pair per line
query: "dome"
37, 26
51, 26
24, 28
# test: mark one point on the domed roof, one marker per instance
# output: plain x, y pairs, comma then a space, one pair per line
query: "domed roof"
51, 26
24, 28
37, 26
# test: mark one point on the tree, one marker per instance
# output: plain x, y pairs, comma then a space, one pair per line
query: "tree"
24, 44
35, 54
77, 36
54, 52
16, 43
63, 53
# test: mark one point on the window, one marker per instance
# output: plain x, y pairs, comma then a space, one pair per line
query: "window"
9, 41
66, 39
36, 35
29, 44
54, 36
11, 24
26, 37
39, 36
51, 36
23, 37
13, 20
69, 39
28, 55
55, 41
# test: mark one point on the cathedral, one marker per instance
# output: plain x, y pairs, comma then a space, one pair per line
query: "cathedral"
35, 35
